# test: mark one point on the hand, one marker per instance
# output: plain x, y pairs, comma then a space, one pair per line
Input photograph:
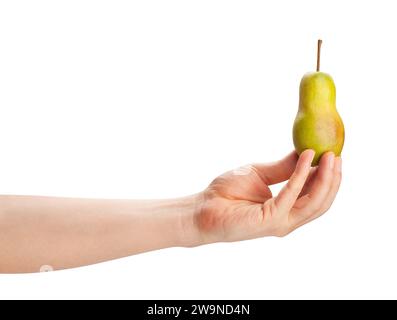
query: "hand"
239, 205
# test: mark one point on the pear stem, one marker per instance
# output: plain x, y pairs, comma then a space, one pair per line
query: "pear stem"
319, 42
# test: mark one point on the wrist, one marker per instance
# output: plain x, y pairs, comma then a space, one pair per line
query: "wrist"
190, 208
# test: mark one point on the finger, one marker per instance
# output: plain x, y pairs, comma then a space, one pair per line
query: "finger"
290, 192
335, 185
311, 204
331, 195
309, 182
278, 171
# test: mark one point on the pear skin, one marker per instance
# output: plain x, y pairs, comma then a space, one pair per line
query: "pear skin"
318, 125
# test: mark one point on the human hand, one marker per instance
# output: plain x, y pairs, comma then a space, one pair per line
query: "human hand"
239, 205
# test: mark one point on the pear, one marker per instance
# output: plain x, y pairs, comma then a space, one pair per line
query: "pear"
318, 125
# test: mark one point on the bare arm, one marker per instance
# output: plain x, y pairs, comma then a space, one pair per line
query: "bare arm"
64, 232
238, 205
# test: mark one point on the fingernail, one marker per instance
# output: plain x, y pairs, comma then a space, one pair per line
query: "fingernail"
311, 152
311, 157
331, 161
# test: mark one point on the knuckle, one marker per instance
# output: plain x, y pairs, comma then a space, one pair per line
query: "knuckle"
282, 231
317, 206
324, 178
245, 170
325, 208
292, 188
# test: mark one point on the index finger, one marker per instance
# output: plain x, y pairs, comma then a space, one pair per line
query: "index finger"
290, 192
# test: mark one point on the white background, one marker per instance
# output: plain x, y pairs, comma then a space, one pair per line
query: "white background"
153, 99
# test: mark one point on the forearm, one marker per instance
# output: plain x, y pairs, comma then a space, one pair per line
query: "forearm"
65, 232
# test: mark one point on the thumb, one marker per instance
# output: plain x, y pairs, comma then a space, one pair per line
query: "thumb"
278, 171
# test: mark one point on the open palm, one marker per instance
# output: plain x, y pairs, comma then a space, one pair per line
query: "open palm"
239, 204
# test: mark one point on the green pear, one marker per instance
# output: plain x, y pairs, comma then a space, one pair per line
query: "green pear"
318, 125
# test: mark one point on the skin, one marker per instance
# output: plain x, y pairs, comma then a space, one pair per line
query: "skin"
318, 125
45, 233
